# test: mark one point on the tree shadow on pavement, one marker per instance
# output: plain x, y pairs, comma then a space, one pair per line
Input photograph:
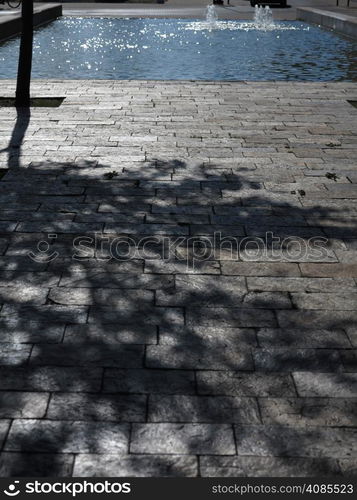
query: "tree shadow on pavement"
137, 343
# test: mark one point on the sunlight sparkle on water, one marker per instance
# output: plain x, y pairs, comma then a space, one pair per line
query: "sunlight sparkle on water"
184, 49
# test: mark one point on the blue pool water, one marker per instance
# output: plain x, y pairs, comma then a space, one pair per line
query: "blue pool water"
177, 49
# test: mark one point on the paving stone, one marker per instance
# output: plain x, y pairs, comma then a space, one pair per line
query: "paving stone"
120, 204
35, 465
135, 466
50, 378
331, 301
199, 357
59, 227
178, 218
255, 221
330, 412
267, 300
110, 218
147, 381
100, 296
235, 383
309, 338
205, 409
50, 313
329, 320
316, 442
347, 256
21, 263
111, 334
343, 385
230, 317
211, 466
146, 229
123, 188
329, 270
18, 215
14, 354
158, 208
284, 232
290, 253
184, 439
99, 354
120, 408
215, 297
211, 230
122, 281
301, 284
23, 295
201, 284
178, 267
87, 267
41, 188
67, 437
282, 359
14, 330
23, 404
143, 316
260, 268
18, 278
207, 335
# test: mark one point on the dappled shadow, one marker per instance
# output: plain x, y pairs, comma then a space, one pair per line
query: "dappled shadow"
132, 311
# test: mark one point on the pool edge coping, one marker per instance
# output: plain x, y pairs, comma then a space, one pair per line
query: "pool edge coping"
336, 21
11, 24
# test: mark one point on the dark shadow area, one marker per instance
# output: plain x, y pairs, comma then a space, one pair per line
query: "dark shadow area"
17, 137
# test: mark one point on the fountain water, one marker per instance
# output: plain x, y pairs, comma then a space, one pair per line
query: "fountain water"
263, 18
211, 15
263, 21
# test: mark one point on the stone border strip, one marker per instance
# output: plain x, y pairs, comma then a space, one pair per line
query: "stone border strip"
342, 23
11, 25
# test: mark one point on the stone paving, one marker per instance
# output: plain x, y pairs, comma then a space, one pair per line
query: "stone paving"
145, 338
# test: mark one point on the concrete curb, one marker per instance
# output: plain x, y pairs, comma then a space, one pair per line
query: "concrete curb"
11, 25
342, 23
